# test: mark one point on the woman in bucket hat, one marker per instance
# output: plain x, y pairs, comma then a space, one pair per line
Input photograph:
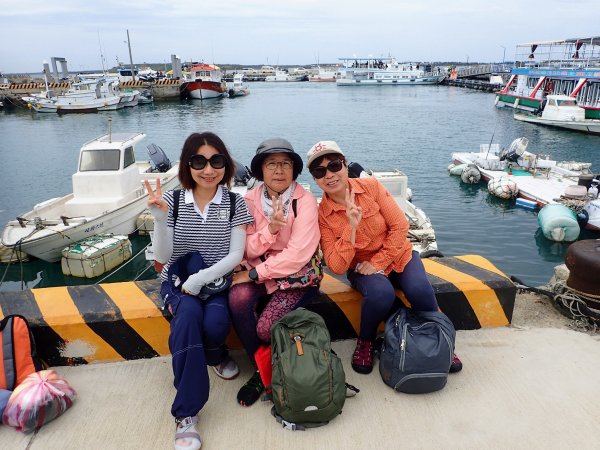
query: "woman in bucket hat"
202, 243
283, 238
364, 233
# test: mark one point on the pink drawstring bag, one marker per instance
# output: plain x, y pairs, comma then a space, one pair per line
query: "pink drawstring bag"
40, 397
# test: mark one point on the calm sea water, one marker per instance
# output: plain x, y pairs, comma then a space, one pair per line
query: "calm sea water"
412, 128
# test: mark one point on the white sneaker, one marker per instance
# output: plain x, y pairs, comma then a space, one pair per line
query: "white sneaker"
228, 369
186, 434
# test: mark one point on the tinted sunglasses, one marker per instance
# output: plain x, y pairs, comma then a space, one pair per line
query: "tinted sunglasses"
333, 166
198, 162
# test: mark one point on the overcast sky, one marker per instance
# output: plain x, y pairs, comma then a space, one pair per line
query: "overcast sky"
297, 32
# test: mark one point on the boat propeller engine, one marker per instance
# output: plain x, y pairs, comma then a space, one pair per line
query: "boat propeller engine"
159, 158
242, 174
515, 150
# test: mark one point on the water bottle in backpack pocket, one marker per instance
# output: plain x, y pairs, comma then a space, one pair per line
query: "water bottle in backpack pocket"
417, 351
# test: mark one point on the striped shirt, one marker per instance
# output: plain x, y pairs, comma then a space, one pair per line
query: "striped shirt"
381, 235
210, 235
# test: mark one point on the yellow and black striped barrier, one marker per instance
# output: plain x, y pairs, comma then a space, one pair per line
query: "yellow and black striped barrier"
121, 321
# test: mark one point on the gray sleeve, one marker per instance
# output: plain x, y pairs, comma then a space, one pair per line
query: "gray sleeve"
162, 242
236, 252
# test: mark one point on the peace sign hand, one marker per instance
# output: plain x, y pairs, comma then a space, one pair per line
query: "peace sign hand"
353, 212
155, 199
278, 218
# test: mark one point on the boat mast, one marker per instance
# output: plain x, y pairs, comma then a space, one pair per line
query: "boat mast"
130, 58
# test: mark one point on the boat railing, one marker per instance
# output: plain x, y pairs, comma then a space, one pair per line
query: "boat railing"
571, 53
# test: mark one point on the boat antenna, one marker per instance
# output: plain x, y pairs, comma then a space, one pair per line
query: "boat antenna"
101, 54
491, 140
109, 130
130, 58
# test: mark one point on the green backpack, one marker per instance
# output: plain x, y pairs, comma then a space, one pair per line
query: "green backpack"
308, 383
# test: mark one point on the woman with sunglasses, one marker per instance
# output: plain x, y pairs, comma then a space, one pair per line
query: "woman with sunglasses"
364, 233
283, 238
203, 224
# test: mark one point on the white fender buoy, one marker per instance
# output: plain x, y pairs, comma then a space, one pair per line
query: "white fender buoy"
471, 174
503, 187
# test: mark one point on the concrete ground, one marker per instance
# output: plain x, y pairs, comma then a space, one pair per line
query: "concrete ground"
531, 385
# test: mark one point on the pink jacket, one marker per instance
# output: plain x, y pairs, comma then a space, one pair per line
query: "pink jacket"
290, 249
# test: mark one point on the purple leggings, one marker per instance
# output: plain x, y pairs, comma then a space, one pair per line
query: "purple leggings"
254, 329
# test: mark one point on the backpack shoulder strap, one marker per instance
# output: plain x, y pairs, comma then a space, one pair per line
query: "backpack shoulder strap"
294, 203
176, 195
232, 198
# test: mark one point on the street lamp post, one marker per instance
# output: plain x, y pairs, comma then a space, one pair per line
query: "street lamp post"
503, 56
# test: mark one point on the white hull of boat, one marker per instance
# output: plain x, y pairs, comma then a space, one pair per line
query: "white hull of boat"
48, 242
586, 126
400, 81
204, 94
539, 188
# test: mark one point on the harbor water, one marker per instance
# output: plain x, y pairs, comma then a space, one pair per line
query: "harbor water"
411, 128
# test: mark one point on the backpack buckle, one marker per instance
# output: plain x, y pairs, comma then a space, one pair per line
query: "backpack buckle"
288, 425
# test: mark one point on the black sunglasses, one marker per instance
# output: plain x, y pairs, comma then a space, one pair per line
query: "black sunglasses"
333, 166
198, 162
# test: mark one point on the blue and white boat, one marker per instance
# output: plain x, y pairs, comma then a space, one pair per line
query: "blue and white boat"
379, 71
568, 66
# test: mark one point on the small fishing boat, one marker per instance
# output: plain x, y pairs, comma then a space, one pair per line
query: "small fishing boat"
323, 75
108, 196
205, 81
83, 97
237, 88
561, 111
537, 177
536, 181
282, 75
146, 97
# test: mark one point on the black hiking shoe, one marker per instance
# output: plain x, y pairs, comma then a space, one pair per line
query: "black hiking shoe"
250, 392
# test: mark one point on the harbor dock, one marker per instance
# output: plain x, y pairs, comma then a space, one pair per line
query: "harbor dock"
529, 385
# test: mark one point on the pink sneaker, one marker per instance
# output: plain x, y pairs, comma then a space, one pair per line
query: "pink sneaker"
456, 365
362, 359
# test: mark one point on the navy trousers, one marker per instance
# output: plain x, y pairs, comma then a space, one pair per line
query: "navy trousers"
379, 299
198, 332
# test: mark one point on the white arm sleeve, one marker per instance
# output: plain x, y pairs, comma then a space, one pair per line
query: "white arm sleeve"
162, 243
236, 252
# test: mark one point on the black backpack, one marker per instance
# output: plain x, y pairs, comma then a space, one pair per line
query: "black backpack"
417, 351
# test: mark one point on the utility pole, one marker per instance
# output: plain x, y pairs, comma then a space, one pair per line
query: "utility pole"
130, 58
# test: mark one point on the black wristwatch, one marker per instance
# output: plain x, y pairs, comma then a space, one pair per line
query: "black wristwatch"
253, 274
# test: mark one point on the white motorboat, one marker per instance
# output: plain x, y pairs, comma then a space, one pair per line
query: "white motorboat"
237, 88
561, 111
85, 96
538, 178
379, 71
146, 97
282, 75
108, 196
323, 75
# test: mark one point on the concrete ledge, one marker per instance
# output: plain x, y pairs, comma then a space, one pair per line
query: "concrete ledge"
123, 321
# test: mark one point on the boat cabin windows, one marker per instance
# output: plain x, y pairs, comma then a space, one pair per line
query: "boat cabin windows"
566, 102
99, 160
128, 157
